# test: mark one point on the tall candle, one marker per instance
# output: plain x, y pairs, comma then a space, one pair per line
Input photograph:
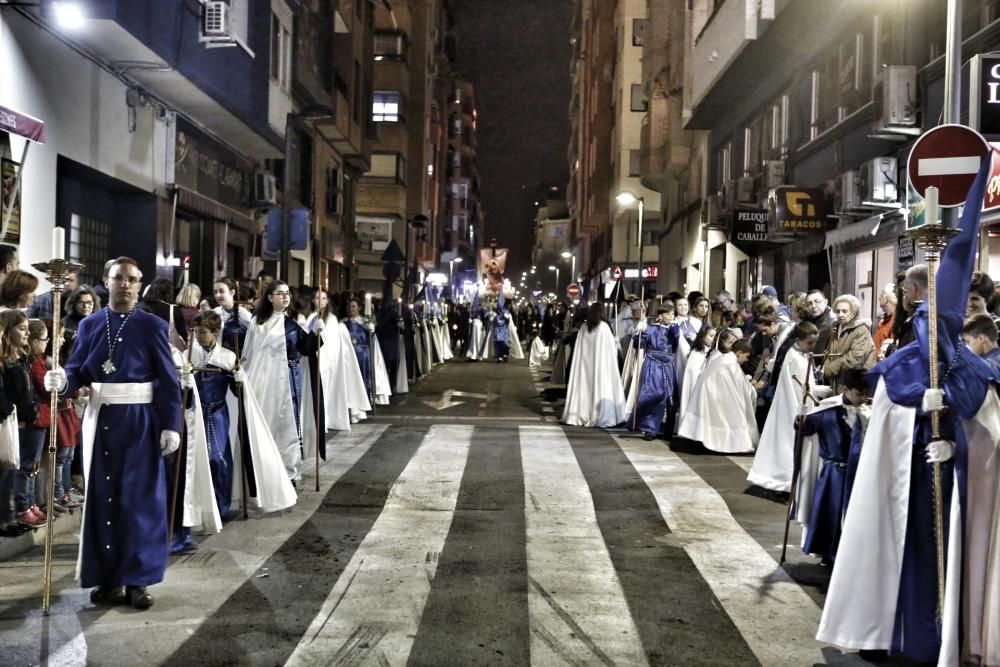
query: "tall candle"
931, 205
58, 243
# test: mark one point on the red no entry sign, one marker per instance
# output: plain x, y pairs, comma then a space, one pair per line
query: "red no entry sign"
573, 290
948, 158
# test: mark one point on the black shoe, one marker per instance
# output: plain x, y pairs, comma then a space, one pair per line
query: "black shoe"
648, 436
874, 655
110, 595
138, 597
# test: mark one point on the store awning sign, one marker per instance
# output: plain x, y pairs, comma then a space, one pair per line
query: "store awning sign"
750, 230
22, 125
800, 209
984, 93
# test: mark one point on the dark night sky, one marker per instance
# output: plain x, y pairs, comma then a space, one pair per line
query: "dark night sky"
517, 53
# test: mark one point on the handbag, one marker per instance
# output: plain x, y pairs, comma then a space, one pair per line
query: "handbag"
10, 442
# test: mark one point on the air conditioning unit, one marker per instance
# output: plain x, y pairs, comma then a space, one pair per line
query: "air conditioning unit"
712, 213
265, 190
895, 99
878, 180
846, 193
216, 21
745, 191
774, 174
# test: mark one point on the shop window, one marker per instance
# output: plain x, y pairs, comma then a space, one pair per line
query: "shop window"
89, 245
389, 166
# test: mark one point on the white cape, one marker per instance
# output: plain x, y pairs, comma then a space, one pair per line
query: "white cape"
383, 389
200, 509
594, 395
773, 462
402, 385
539, 353
274, 490
334, 373
516, 351
267, 375
696, 362
476, 347
721, 411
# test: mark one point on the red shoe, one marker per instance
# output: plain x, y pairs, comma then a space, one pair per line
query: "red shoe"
30, 519
39, 512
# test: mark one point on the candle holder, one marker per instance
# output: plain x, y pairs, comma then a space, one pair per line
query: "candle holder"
932, 238
57, 272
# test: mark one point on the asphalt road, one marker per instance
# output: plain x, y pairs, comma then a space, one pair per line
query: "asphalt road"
463, 525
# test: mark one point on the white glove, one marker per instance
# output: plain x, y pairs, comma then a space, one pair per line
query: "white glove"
318, 326
933, 400
239, 376
371, 327
802, 409
55, 380
940, 451
641, 325
187, 380
169, 442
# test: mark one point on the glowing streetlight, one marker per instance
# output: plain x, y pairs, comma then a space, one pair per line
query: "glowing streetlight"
451, 270
626, 199
556, 269
566, 254
68, 15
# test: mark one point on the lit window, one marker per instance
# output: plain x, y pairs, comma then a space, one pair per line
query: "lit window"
385, 107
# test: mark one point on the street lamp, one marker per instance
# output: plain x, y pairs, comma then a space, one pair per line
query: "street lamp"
451, 272
556, 269
419, 221
626, 199
572, 257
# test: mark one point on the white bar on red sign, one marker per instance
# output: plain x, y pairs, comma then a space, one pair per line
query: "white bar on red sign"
948, 166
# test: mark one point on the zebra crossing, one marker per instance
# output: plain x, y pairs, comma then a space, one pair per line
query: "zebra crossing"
468, 544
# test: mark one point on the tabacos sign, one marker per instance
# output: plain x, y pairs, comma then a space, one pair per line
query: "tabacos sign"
800, 209
984, 94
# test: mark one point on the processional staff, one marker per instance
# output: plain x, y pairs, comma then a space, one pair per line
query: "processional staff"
57, 272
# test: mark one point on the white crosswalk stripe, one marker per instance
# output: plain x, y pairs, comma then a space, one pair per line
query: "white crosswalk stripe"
756, 593
578, 612
372, 614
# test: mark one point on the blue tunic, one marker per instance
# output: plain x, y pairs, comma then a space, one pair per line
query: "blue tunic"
501, 335
360, 339
298, 343
658, 379
233, 328
838, 444
212, 391
125, 531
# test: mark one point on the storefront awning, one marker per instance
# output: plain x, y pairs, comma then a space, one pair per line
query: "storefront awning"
22, 125
853, 232
209, 208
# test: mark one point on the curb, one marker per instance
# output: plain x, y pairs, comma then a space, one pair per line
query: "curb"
11, 547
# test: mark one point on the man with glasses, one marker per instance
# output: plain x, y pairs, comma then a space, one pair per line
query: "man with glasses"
133, 419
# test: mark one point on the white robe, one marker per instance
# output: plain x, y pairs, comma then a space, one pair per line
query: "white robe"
773, 463
267, 376
402, 385
594, 395
861, 603
721, 411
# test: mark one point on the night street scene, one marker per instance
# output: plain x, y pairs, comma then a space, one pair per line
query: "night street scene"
460, 333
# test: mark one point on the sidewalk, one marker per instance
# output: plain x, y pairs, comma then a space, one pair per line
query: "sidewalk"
65, 524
